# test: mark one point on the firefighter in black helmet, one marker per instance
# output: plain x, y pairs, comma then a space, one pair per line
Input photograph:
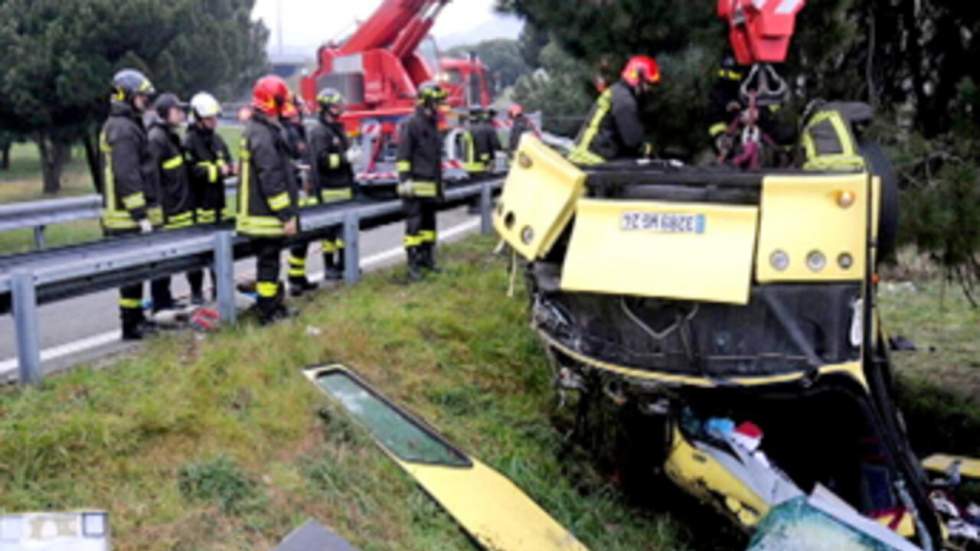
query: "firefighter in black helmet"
172, 180
331, 153
419, 166
127, 191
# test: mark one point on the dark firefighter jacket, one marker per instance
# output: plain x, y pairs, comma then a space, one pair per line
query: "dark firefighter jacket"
725, 91
206, 154
127, 169
613, 129
420, 157
176, 196
521, 126
485, 142
328, 147
267, 189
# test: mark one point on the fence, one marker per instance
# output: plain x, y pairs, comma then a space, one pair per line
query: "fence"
32, 279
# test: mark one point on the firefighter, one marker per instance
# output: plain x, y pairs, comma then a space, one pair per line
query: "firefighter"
209, 162
419, 167
267, 192
485, 139
331, 152
295, 134
125, 162
725, 104
520, 125
613, 129
472, 163
170, 173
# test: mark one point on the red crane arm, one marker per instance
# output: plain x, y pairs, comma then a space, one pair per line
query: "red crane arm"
384, 25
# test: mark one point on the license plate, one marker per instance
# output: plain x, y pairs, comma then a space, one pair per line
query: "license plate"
663, 222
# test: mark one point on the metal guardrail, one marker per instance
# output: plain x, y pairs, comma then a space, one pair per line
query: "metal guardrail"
40, 214
29, 280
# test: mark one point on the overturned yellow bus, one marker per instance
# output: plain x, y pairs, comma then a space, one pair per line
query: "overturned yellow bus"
737, 311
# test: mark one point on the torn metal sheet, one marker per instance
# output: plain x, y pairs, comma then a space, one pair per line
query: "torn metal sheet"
55, 531
313, 535
491, 508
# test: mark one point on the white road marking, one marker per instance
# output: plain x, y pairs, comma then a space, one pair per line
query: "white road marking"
88, 343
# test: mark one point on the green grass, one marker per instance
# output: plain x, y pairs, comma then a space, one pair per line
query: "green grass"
22, 182
221, 444
939, 384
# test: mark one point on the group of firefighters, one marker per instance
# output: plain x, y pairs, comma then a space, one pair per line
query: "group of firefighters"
156, 180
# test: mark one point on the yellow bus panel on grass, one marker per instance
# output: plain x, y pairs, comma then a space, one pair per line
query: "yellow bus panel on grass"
491, 508
686, 251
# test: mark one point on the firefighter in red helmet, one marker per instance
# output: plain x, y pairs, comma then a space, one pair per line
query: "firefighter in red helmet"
268, 194
613, 130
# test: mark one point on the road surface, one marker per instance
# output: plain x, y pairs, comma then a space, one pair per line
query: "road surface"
87, 328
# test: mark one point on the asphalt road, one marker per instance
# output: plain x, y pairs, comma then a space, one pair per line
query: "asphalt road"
87, 328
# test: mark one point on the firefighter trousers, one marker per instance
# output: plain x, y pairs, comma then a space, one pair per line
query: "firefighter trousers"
420, 223
130, 296
267, 267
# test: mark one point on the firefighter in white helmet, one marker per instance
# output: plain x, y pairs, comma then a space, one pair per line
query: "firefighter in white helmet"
209, 163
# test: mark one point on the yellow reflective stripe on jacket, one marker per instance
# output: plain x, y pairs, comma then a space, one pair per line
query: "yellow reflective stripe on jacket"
259, 226
212, 169
413, 241
728, 74
206, 216
848, 159
279, 202
582, 154
173, 162
427, 236
134, 201
403, 166
717, 128
309, 201
131, 303
334, 160
182, 220
425, 189
266, 289
334, 195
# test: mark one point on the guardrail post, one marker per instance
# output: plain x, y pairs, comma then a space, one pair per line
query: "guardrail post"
352, 248
486, 209
224, 274
38, 238
25, 323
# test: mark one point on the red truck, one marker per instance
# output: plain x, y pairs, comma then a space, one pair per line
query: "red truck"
378, 70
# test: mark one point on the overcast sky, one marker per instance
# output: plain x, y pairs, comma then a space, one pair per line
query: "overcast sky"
308, 23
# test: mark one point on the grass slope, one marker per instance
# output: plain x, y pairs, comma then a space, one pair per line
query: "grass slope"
220, 444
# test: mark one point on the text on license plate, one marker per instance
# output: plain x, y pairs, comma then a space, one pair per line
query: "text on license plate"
663, 222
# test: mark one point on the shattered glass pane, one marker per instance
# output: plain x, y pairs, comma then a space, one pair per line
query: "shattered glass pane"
797, 525
394, 430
